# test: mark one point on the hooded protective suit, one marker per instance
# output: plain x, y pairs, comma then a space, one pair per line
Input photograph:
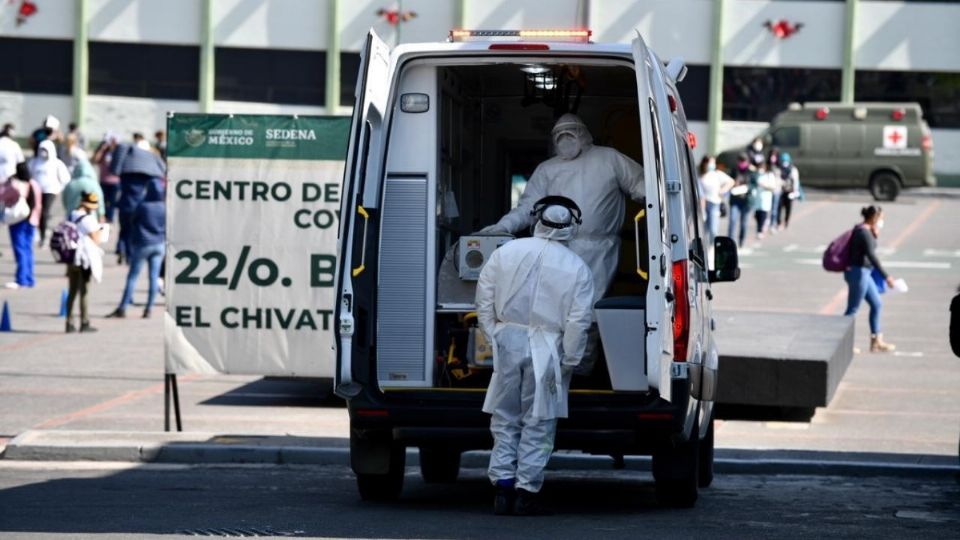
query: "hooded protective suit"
534, 304
594, 177
48, 170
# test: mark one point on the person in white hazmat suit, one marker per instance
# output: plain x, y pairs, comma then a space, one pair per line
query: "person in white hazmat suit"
596, 178
534, 305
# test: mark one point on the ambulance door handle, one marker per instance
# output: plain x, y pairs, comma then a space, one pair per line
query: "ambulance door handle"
636, 235
363, 246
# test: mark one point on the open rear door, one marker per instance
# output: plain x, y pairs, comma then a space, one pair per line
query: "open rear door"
373, 86
659, 338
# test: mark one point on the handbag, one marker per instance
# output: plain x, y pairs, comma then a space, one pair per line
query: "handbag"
16, 213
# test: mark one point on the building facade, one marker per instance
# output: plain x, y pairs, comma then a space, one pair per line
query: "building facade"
121, 65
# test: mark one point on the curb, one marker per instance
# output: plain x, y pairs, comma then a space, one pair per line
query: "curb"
198, 448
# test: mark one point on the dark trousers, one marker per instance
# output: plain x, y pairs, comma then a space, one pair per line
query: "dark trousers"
79, 279
761, 217
46, 205
111, 194
786, 206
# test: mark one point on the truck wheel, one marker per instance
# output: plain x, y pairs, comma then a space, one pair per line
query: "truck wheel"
885, 186
384, 487
706, 458
439, 466
675, 471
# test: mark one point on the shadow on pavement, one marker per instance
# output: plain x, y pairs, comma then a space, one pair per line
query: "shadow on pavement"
281, 392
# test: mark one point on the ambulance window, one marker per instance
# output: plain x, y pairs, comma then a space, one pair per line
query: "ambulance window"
658, 164
787, 137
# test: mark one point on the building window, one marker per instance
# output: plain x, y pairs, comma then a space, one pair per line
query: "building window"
144, 71
695, 92
938, 93
349, 72
41, 66
271, 76
758, 94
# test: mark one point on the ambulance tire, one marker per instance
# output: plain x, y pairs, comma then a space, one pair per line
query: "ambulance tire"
439, 465
885, 186
706, 459
384, 487
676, 467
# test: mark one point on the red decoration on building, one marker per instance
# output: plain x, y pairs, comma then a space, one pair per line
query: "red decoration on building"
27, 9
783, 28
395, 16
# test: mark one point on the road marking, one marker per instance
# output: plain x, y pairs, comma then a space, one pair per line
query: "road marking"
910, 354
109, 404
791, 247
915, 224
807, 210
892, 264
941, 253
839, 298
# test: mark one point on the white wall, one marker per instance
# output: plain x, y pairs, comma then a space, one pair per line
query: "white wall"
145, 21
520, 14
127, 115
282, 24
819, 44
670, 27
53, 20
946, 151
27, 111
914, 36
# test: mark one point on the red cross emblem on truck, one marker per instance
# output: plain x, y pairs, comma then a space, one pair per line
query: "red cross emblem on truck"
895, 137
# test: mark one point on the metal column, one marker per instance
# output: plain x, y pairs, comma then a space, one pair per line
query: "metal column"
81, 63
332, 89
848, 75
207, 61
715, 105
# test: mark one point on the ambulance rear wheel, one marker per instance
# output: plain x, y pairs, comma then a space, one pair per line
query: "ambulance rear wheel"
439, 465
676, 467
884, 186
706, 459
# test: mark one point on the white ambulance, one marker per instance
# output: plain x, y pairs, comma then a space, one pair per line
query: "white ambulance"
443, 138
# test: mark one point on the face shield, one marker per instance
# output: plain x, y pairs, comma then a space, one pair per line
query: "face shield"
557, 218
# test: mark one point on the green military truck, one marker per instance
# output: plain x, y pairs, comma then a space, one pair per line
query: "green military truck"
884, 147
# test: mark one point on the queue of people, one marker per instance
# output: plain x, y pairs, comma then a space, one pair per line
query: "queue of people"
764, 186
116, 179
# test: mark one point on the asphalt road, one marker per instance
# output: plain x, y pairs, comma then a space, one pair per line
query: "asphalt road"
140, 501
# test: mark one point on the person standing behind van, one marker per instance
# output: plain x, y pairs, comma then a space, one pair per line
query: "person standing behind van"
21, 233
790, 177
10, 152
52, 175
88, 263
146, 243
714, 185
767, 184
860, 283
740, 201
136, 165
534, 305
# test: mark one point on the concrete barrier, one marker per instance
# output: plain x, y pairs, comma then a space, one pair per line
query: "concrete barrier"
787, 360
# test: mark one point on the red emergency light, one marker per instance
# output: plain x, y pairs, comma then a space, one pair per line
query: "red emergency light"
897, 115
822, 113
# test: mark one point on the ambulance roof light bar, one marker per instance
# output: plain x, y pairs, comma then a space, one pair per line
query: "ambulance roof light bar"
575, 36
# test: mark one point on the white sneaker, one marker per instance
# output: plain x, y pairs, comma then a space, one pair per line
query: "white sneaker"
12, 285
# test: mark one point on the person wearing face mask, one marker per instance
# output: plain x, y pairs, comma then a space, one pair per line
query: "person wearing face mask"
860, 283
52, 175
714, 185
756, 149
596, 178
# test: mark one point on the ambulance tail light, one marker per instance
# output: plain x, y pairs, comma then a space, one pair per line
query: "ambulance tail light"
681, 312
927, 142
